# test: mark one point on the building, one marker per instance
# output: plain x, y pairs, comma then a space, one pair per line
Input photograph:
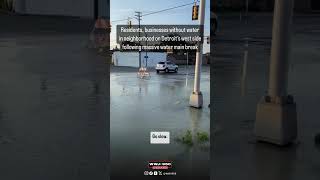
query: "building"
264, 5
75, 8
131, 59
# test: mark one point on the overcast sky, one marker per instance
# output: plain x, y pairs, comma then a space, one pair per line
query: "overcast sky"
122, 9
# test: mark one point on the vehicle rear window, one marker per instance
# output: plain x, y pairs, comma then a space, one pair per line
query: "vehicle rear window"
161, 63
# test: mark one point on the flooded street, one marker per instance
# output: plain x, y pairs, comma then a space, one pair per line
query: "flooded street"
53, 110
54, 105
161, 103
240, 80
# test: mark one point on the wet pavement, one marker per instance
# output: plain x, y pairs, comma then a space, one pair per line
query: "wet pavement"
161, 103
239, 80
53, 101
53, 104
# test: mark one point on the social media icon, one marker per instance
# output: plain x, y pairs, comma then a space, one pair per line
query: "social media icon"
146, 173
155, 173
151, 173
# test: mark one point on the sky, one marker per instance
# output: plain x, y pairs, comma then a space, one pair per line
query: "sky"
122, 9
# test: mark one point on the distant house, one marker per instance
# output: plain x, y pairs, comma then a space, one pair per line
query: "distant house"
76, 8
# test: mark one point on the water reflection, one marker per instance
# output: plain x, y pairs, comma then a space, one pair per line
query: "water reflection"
280, 163
96, 87
43, 84
196, 115
244, 70
143, 87
157, 104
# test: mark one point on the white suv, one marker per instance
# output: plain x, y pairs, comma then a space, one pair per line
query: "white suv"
166, 66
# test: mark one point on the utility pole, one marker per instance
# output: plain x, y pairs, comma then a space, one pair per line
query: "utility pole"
146, 51
138, 17
196, 98
276, 118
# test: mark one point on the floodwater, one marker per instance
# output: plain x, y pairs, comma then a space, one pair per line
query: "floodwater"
161, 103
53, 110
240, 79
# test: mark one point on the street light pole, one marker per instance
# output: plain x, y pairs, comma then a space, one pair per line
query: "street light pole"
276, 120
196, 99
146, 51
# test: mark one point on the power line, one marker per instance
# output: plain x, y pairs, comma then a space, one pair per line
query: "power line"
168, 9
122, 19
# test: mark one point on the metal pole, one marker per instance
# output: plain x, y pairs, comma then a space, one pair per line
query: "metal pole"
196, 88
276, 117
139, 45
187, 63
146, 52
280, 48
196, 99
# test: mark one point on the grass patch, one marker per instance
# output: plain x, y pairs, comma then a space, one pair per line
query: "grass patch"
202, 137
187, 138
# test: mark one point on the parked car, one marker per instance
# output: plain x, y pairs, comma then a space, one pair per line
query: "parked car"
166, 66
